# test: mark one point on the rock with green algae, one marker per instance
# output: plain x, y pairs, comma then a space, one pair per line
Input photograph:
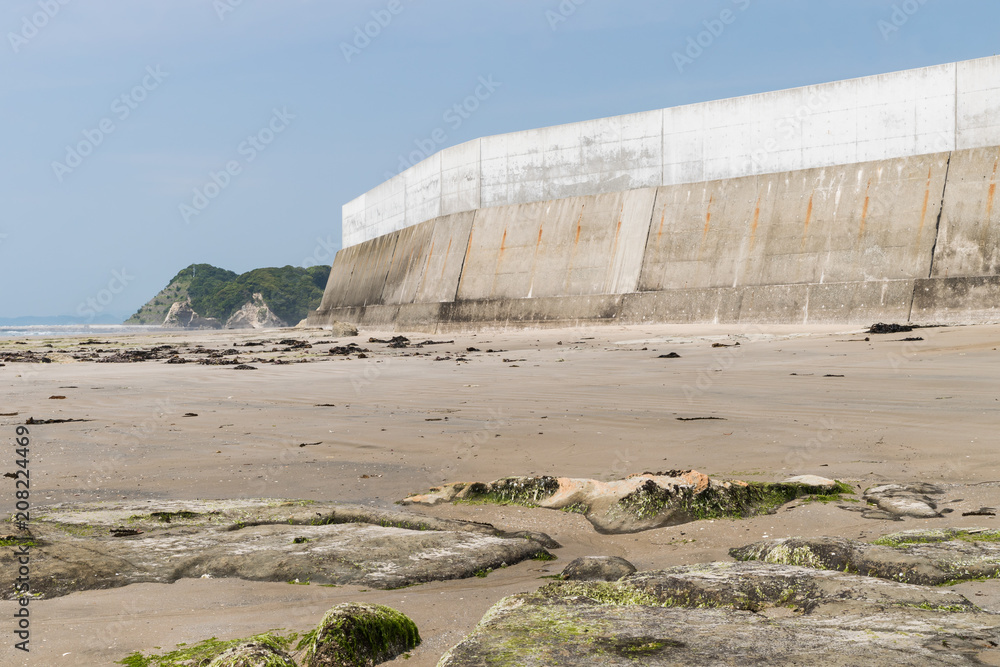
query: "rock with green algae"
361, 635
732, 613
253, 654
638, 502
927, 557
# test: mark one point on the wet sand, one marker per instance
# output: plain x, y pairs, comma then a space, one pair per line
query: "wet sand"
595, 403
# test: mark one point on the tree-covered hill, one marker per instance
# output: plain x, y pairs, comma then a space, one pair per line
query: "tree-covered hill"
290, 291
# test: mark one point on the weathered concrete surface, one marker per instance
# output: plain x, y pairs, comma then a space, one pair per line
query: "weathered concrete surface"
902, 114
926, 557
637, 503
945, 300
969, 238
847, 244
571, 247
833, 225
723, 613
105, 545
360, 274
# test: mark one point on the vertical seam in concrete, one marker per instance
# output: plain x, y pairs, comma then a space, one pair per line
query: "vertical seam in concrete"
465, 255
937, 233
392, 258
937, 226
645, 247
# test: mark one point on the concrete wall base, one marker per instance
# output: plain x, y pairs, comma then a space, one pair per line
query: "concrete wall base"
837, 303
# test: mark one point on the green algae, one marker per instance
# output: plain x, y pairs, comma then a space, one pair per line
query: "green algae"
361, 634
524, 491
204, 652
733, 501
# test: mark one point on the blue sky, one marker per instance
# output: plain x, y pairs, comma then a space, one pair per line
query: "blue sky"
281, 113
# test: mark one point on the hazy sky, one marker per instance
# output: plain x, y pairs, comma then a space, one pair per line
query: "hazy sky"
140, 136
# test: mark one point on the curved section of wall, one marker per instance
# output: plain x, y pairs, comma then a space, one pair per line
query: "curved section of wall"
903, 114
881, 240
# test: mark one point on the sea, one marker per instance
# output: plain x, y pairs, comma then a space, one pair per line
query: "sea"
61, 330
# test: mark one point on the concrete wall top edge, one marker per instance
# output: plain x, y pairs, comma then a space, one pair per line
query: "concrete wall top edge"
898, 114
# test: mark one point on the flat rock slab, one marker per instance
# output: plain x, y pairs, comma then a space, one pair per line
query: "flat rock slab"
639, 502
105, 545
699, 615
597, 568
895, 501
927, 557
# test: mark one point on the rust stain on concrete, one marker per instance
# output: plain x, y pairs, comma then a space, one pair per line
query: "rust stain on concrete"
430, 253
753, 226
708, 219
923, 211
809, 215
864, 210
447, 254
993, 190
708, 224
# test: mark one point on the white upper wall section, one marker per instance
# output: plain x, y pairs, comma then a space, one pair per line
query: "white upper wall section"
915, 112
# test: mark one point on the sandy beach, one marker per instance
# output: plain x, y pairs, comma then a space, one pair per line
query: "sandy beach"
595, 403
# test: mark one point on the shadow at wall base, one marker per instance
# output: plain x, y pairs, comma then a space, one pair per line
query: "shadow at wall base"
934, 301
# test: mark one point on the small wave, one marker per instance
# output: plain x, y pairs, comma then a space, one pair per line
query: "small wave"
38, 330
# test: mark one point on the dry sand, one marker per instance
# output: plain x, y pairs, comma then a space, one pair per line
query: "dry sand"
594, 402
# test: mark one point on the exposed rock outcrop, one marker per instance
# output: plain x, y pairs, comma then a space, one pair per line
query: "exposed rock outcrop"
255, 314
101, 545
597, 568
341, 329
640, 502
928, 557
361, 634
181, 315
726, 613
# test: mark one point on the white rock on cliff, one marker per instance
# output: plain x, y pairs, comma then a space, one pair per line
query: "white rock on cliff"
255, 314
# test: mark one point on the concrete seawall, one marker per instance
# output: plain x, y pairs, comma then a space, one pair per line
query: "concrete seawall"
900, 114
912, 237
